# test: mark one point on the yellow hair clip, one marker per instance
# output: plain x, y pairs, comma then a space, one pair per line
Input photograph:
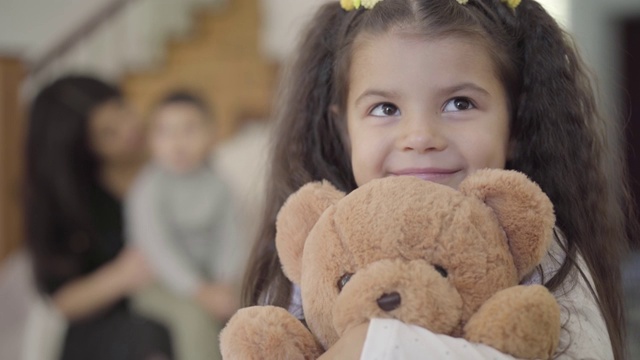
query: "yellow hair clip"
463, 2
513, 4
349, 5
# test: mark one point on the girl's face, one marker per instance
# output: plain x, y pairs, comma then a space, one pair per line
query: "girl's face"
433, 109
116, 133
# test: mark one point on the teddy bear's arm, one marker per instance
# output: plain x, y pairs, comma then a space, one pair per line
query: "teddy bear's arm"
523, 321
267, 332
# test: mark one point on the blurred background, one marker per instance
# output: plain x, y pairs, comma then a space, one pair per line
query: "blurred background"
231, 52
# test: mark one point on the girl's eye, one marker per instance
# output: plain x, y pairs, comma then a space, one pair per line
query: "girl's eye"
344, 280
458, 104
385, 109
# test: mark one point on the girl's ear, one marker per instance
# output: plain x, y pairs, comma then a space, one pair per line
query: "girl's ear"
295, 220
523, 210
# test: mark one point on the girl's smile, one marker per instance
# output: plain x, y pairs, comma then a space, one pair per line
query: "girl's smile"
431, 108
438, 175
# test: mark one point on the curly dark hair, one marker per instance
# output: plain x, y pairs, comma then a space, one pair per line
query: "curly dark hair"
557, 132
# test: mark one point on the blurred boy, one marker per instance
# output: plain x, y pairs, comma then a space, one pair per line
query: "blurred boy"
179, 213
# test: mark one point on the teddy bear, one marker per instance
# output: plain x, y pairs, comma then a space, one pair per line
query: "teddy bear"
448, 260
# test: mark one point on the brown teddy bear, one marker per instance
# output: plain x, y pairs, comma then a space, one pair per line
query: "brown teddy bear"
420, 252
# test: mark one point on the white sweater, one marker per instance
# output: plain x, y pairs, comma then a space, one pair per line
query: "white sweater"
186, 227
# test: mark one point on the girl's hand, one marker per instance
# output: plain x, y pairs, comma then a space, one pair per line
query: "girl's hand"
350, 345
132, 269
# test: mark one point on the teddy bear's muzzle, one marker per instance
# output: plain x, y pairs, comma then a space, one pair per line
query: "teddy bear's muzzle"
416, 292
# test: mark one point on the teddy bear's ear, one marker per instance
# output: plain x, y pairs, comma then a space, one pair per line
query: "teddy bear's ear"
295, 220
523, 210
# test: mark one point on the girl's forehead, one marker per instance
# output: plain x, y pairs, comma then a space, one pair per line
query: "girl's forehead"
413, 37
390, 50
400, 65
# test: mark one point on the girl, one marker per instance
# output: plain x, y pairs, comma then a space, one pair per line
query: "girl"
438, 89
83, 150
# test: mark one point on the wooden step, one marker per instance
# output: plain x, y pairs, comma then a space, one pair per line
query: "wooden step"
220, 60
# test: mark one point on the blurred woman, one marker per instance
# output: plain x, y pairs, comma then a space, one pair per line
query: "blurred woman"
84, 147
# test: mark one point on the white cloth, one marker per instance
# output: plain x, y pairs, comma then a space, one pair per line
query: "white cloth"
392, 339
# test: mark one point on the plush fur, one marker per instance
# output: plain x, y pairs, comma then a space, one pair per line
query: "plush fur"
399, 235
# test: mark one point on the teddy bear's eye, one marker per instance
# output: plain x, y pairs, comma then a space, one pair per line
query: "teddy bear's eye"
344, 280
441, 270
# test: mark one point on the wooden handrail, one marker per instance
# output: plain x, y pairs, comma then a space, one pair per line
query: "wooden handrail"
86, 28
12, 74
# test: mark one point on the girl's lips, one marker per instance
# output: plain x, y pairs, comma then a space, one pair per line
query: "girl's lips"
430, 174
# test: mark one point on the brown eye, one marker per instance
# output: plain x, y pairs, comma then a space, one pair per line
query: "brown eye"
441, 270
462, 104
344, 280
458, 104
389, 109
385, 109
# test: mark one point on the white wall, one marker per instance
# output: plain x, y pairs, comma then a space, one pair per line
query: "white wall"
29, 27
282, 23
594, 28
559, 9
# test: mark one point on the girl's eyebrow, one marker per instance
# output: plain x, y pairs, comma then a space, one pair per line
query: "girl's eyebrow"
376, 92
444, 91
464, 86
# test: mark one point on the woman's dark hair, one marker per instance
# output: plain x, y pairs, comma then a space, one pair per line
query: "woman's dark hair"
61, 169
557, 132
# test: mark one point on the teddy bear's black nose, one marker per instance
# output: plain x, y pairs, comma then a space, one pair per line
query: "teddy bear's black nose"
388, 302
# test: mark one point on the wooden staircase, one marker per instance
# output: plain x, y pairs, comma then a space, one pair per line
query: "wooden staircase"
220, 61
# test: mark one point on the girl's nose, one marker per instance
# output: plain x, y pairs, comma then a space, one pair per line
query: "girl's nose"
421, 134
